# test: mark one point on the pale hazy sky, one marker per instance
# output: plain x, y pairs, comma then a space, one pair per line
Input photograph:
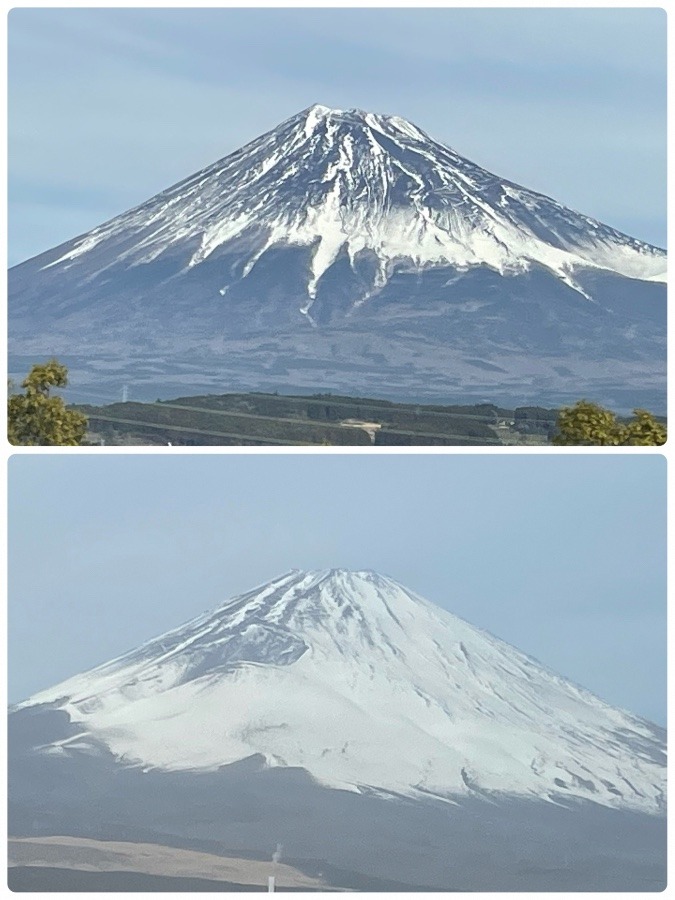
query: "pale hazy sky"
561, 555
110, 106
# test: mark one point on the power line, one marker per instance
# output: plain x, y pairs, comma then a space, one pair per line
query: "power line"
260, 439
166, 404
369, 404
183, 428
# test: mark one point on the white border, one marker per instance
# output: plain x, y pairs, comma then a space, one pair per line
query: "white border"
421, 451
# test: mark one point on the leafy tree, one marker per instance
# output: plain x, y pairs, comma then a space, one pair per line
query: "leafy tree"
587, 424
34, 418
644, 430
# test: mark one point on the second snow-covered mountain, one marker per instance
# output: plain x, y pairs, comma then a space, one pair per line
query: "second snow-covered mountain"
367, 686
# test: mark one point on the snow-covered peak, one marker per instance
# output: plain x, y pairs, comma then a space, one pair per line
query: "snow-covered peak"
357, 118
362, 185
367, 686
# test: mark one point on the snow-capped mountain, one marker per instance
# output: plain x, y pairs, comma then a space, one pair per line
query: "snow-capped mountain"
372, 733
367, 686
353, 181
345, 249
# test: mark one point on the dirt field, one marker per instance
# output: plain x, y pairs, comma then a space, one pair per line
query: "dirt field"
152, 859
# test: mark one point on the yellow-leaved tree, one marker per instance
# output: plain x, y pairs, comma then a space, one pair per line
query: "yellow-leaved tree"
35, 418
588, 425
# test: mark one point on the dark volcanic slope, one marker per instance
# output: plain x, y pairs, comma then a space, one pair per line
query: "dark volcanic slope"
346, 249
509, 846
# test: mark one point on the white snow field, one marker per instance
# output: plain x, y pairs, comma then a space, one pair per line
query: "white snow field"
365, 685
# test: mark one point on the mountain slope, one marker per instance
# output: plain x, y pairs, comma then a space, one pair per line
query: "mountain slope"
340, 248
367, 687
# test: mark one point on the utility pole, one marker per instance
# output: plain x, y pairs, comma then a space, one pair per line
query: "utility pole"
271, 880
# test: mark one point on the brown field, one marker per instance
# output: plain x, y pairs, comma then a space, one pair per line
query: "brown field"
152, 859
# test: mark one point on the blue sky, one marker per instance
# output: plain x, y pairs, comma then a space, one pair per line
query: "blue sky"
109, 106
561, 555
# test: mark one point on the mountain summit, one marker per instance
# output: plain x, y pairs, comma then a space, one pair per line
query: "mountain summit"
345, 248
366, 686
